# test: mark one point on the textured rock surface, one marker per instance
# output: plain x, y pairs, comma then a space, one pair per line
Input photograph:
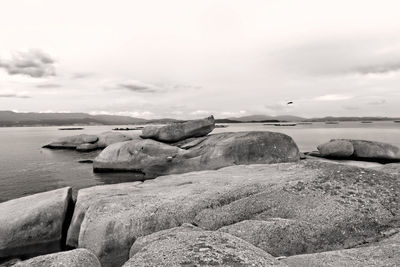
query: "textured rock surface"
348, 204
108, 138
336, 148
375, 150
392, 168
146, 240
33, 225
87, 147
374, 256
72, 258
201, 248
220, 150
179, 131
281, 237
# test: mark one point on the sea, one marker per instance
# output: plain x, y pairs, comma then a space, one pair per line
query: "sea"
27, 168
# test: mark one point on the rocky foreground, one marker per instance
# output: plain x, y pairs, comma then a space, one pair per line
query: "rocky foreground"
286, 214
241, 199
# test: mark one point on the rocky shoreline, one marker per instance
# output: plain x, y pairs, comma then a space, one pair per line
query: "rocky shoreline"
232, 199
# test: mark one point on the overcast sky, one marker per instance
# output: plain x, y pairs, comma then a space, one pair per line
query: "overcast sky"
188, 58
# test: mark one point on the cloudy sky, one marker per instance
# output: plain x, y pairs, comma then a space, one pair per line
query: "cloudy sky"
188, 59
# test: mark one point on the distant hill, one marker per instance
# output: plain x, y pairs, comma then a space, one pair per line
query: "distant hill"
10, 118
330, 118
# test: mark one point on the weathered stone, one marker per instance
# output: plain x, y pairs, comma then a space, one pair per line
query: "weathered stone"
375, 150
33, 225
205, 248
351, 203
109, 138
220, 150
392, 168
71, 142
179, 131
336, 148
143, 241
374, 256
72, 258
281, 237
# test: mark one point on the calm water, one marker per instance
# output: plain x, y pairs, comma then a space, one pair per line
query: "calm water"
26, 168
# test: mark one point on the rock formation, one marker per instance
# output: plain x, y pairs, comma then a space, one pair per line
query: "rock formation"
179, 131
154, 158
86, 142
344, 205
362, 150
33, 225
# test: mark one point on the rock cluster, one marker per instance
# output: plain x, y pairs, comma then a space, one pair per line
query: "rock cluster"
360, 149
88, 142
154, 158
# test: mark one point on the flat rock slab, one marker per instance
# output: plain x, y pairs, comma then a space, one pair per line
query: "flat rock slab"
33, 225
175, 132
154, 158
88, 142
352, 204
72, 258
374, 256
200, 248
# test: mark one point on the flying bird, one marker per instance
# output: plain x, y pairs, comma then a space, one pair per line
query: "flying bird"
290, 102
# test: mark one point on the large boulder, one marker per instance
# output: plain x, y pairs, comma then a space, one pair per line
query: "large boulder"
362, 150
33, 225
219, 150
179, 131
72, 258
373, 256
71, 142
109, 138
348, 205
200, 248
375, 150
336, 148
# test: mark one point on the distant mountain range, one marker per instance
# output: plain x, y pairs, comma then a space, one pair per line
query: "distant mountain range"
10, 118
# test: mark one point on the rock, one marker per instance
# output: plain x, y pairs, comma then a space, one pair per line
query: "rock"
85, 142
381, 255
71, 142
219, 150
179, 131
33, 225
190, 142
280, 236
87, 147
201, 248
336, 148
144, 241
375, 150
72, 258
109, 138
347, 204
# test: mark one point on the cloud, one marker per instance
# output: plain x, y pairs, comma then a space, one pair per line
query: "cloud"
377, 102
34, 63
135, 86
48, 85
10, 94
332, 97
81, 75
379, 68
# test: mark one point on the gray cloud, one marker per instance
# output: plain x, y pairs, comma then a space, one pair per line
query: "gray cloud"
377, 102
48, 85
138, 87
379, 68
13, 95
81, 75
34, 63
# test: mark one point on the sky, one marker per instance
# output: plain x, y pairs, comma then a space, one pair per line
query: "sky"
189, 59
